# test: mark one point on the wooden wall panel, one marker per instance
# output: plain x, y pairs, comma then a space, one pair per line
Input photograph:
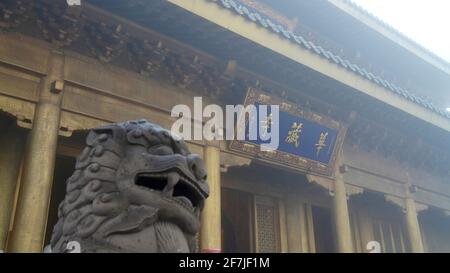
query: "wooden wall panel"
86, 102
124, 84
19, 84
21, 51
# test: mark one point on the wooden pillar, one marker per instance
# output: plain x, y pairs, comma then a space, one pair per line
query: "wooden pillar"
365, 227
340, 211
306, 228
36, 184
283, 229
342, 227
412, 224
10, 158
211, 230
293, 226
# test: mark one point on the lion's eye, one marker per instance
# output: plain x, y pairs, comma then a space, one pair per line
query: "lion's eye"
161, 150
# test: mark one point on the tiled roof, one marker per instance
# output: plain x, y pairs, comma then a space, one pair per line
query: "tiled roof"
265, 22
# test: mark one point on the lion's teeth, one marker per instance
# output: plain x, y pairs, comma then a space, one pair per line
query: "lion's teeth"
172, 180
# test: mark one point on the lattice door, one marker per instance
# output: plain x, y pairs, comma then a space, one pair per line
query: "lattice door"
266, 223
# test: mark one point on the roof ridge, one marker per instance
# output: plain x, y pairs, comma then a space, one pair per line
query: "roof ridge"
397, 32
265, 22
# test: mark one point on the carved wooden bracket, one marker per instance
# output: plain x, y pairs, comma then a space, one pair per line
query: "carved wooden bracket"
326, 183
353, 190
230, 160
395, 200
400, 202
22, 110
421, 207
70, 122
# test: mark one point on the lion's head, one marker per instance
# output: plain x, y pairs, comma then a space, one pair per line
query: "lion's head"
136, 188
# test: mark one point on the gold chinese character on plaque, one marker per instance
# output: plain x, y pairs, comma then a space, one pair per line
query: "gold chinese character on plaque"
266, 125
294, 134
321, 143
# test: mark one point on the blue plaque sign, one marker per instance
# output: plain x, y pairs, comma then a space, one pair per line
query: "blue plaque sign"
307, 140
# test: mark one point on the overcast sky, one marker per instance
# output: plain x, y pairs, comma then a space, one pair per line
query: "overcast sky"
425, 21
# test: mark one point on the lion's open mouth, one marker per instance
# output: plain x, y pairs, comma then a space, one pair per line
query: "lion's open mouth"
172, 186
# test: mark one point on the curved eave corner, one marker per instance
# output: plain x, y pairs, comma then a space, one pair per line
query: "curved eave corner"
238, 24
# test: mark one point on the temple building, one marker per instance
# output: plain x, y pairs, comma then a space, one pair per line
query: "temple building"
364, 157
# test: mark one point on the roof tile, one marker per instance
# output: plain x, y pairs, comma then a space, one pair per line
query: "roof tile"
273, 26
254, 16
249, 14
336, 60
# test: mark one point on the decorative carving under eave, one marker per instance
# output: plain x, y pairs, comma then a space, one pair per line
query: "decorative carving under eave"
13, 13
73, 122
214, 81
353, 190
147, 57
183, 70
325, 183
401, 147
59, 23
421, 207
106, 42
21, 109
156, 59
395, 200
229, 160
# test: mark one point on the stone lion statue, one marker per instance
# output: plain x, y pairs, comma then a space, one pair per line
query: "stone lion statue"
135, 188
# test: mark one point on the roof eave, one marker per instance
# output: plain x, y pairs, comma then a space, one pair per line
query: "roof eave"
259, 35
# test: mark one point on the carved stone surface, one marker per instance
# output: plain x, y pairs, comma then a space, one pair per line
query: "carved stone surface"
136, 188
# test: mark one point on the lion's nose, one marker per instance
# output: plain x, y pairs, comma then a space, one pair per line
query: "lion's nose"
196, 166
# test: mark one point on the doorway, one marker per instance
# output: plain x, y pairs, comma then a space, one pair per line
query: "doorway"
323, 232
236, 221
